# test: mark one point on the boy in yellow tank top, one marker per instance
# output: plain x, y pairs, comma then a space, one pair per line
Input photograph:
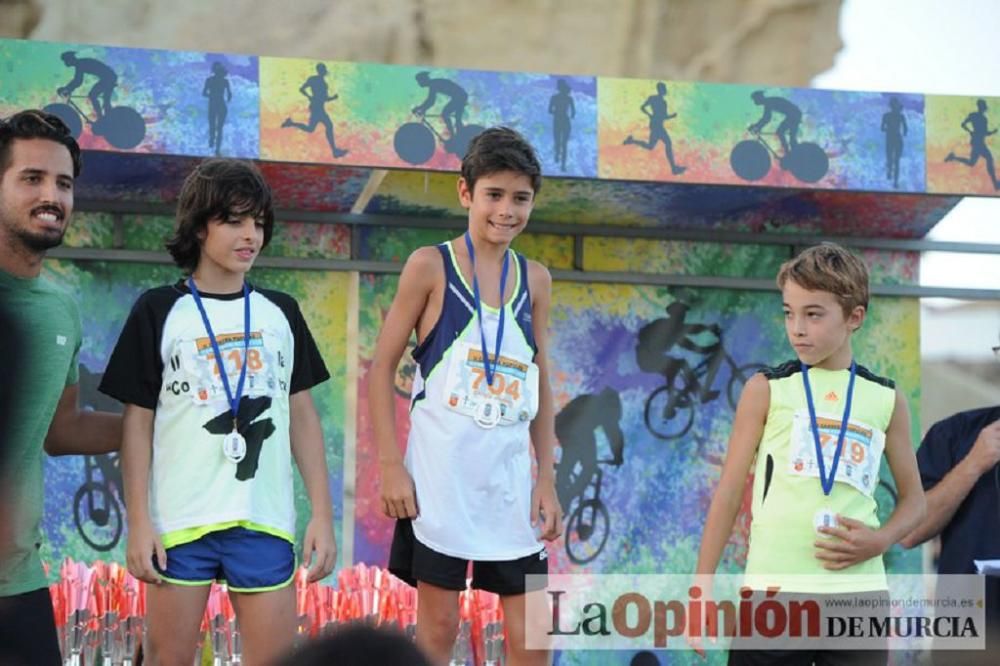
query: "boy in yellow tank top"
815, 429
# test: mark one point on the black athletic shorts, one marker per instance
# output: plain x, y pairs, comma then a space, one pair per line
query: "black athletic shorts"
412, 561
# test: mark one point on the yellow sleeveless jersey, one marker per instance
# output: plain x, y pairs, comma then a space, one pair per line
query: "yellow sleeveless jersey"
788, 498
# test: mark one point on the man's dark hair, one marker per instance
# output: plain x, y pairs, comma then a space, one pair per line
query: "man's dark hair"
501, 149
218, 189
35, 124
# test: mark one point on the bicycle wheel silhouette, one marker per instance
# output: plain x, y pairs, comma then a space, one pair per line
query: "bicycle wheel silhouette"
587, 531
414, 143
97, 516
750, 160
669, 413
739, 379
459, 144
123, 127
807, 162
68, 115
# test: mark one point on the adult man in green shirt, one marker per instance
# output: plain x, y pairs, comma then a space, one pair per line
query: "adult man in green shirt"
39, 160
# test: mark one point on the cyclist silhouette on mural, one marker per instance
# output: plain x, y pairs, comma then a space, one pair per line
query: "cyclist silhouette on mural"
563, 111
670, 408
100, 93
219, 94
452, 112
576, 426
317, 92
579, 475
977, 126
788, 128
660, 336
655, 107
894, 127
751, 158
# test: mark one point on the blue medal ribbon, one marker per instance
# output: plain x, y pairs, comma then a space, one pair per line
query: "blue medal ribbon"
490, 372
234, 401
827, 482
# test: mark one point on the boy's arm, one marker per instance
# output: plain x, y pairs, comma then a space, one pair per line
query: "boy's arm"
307, 447
544, 500
136, 456
748, 428
948, 494
77, 432
416, 283
856, 542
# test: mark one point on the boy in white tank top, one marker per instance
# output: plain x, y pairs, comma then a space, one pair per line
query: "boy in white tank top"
481, 402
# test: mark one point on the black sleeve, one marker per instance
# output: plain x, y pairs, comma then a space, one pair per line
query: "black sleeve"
308, 368
935, 457
135, 370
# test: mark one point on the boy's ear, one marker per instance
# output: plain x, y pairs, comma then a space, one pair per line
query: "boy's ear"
464, 193
857, 317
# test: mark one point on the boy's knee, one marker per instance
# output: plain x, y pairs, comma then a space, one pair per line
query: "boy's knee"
441, 624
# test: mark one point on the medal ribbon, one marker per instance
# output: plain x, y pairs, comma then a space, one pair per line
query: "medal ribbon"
234, 401
490, 372
827, 482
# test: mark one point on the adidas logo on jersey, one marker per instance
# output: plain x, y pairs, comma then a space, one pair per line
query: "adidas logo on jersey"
830, 397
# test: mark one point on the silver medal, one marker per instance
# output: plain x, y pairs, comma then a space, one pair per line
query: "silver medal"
488, 413
234, 447
824, 518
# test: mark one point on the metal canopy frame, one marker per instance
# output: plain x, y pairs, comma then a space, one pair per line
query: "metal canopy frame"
356, 221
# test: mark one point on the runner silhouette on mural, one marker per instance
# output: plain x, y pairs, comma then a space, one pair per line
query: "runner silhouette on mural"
751, 159
563, 111
669, 410
121, 126
219, 94
415, 142
588, 523
655, 107
318, 94
977, 126
894, 127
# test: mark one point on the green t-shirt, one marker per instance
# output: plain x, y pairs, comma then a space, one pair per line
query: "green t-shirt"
51, 332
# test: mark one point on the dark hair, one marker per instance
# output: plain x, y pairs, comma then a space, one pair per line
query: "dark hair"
35, 124
218, 189
358, 645
500, 149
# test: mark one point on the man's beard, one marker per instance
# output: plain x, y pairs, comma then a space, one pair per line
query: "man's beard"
40, 241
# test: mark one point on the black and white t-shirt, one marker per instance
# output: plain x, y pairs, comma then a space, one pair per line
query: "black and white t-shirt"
164, 361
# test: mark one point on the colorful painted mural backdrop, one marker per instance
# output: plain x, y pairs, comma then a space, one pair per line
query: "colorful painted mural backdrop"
707, 133
391, 116
175, 102
372, 115
963, 145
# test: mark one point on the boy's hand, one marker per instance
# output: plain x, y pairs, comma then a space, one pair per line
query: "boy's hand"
143, 545
399, 498
545, 505
320, 547
853, 542
697, 643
